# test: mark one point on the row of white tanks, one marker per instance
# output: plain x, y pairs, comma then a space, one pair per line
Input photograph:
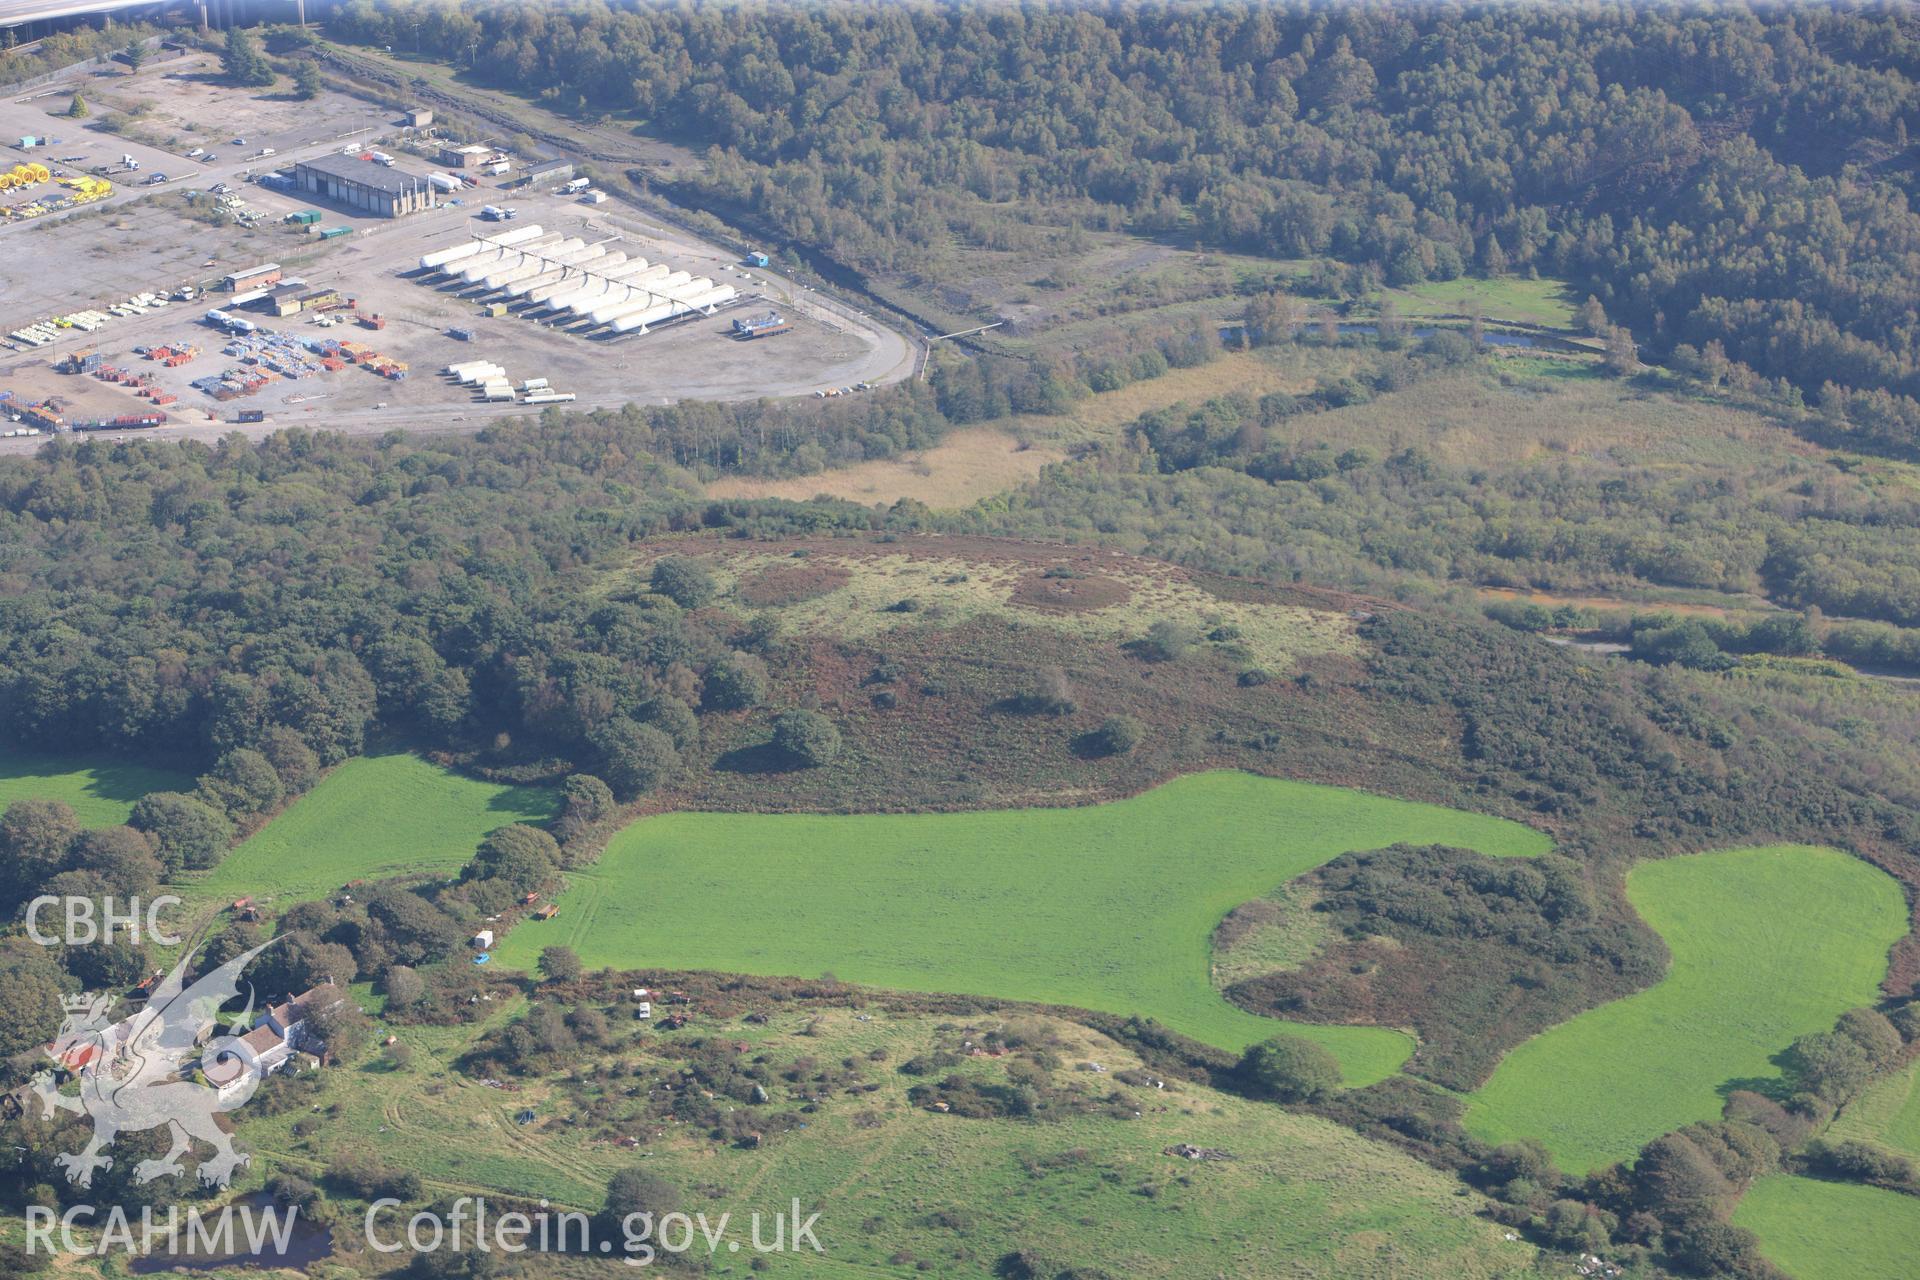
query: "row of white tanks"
565, 280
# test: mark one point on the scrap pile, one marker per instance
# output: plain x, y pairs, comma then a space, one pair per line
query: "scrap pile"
141, 383
367, 358
173, 355
268, 354
230, 384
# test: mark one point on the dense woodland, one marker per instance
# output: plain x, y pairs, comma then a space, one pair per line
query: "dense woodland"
1734, 174
1730, 182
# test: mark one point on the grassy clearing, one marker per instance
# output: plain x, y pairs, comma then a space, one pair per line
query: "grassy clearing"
1833, 1230
101, 793
1283, 931
1502, 415
1697, 604
948, 590
1108, 907
1887, 1114
1768, 944
979, 462
900, 1187
1542, 301
963, 468
373, 816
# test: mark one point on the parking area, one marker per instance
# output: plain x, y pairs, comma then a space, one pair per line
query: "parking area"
171, 244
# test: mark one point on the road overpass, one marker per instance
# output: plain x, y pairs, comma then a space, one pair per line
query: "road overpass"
50, 15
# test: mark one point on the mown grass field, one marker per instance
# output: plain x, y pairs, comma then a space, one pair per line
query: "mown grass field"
1833, 1230
101, 792
1108, 907
1768, 945
1887, 1114
372, 816
1543, 300
897, 1185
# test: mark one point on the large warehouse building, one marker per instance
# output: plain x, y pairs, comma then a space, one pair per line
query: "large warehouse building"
372, 188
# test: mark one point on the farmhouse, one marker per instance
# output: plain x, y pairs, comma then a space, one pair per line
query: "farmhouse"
281, 1032
290, 1018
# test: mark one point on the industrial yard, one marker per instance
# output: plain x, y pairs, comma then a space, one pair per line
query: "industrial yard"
563, 295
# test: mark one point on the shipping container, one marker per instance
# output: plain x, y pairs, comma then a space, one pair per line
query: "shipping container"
459, 334
251, 415
334, 233
304, 218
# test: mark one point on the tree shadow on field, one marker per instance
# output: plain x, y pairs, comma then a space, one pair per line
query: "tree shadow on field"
1777, 1088
762, 757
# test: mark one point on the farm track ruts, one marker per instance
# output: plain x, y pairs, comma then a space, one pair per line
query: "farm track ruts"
435, 1184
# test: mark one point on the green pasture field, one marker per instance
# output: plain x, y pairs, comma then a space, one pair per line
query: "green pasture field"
1107, 907
100, 792
372, 816
1833, 1230
1542, 301
1768, 945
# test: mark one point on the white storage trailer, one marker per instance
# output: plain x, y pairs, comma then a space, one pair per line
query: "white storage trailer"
557, 267
631, 292
640, 298
672, 289
606, 287
440, 258
527, 265
491, 260
580, 276
482, 374
703, 302
477, 268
